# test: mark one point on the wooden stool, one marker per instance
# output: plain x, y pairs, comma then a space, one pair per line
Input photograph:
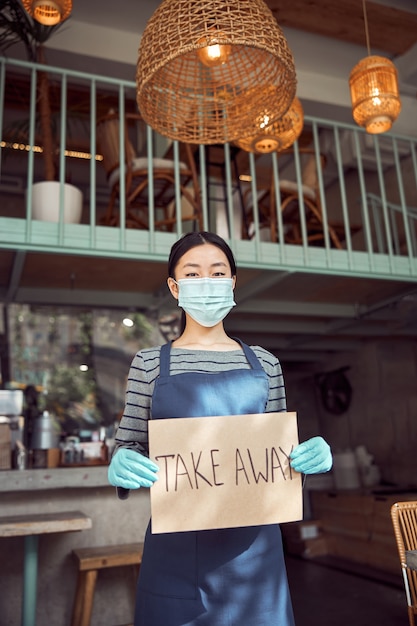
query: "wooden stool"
90, 561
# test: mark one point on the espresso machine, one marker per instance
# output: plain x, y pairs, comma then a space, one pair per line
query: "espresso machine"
41, 433
11, 425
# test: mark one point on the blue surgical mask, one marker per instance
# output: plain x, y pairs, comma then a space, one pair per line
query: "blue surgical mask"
206, 300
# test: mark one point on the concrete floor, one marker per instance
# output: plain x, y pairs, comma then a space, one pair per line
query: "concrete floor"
326, 595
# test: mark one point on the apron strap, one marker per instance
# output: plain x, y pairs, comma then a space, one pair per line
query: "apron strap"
250, 355
164, 359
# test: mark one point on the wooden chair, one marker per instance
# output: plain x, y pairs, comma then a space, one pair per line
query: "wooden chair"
90, 561
138, 184
404, 521
292, 212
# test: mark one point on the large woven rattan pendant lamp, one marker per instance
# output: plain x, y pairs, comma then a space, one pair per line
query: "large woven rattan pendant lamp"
280, 135
48, 12
374, 91
203, 64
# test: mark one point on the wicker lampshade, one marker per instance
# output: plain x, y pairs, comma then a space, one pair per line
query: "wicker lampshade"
374, 92
48, 12
202, 60
277, 136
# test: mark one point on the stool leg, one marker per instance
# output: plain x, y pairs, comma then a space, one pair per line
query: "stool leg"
84, 596
136, 569
88, 597
77, 608
30, 579
134, 574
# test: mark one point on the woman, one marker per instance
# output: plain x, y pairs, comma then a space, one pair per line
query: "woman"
226, 577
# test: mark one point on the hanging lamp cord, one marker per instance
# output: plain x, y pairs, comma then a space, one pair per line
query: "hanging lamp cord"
365, 19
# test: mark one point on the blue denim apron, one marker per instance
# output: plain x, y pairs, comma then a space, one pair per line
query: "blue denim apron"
225, 577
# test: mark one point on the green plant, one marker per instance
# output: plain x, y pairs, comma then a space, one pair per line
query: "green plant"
17, 26
140, 330
72, 393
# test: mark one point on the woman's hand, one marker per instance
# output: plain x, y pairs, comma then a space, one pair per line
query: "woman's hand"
312, 456
131, 470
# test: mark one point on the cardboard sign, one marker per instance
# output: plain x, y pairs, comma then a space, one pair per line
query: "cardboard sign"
224, 472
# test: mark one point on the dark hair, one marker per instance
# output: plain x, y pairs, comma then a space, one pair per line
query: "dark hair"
191, 240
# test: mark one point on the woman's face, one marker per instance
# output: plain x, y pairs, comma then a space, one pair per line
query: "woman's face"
205, 261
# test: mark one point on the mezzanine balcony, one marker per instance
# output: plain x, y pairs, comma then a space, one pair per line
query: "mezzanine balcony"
324, 233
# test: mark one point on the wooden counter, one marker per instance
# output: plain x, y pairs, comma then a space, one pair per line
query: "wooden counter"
357, 525
57, 478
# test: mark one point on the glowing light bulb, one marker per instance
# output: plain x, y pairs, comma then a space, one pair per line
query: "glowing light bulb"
213, 53
265, 121
376, 100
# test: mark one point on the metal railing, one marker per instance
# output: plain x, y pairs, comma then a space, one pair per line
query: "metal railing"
340, 201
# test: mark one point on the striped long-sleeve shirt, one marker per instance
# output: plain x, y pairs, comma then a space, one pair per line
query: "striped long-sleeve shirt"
144, 370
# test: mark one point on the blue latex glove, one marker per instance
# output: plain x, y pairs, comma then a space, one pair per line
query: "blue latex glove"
130, 469
312, 456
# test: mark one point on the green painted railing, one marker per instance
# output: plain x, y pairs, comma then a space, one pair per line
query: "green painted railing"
340, 201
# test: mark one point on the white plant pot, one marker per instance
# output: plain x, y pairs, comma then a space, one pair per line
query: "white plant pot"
45, 202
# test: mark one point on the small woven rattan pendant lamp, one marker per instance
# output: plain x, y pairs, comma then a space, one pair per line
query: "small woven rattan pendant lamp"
274, 137
48, 12
374, 91
203, 67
